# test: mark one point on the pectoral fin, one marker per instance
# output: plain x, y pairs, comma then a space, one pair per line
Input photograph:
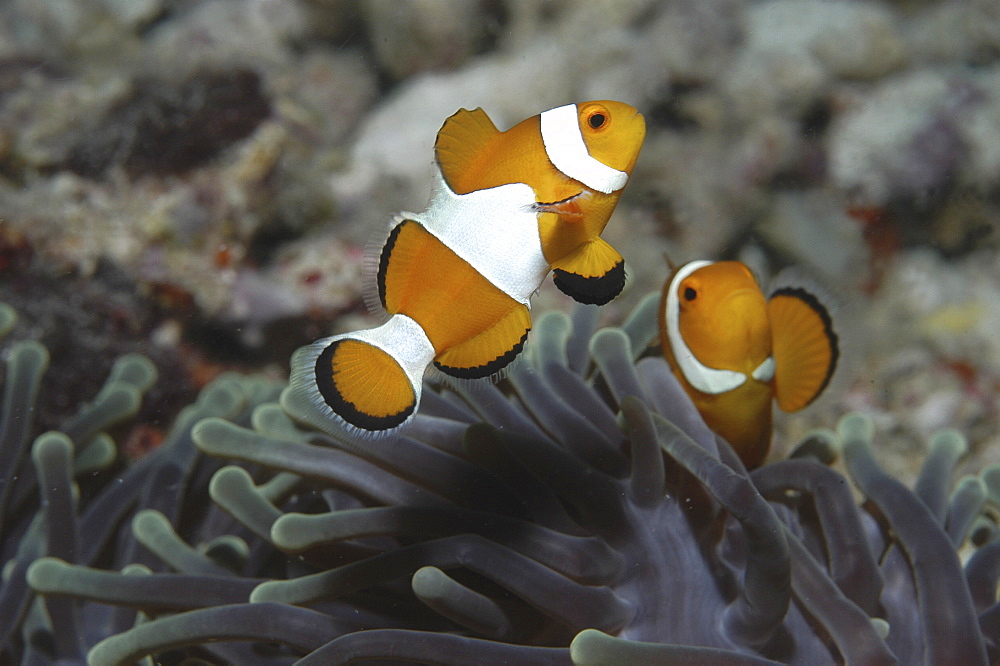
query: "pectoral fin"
593, 274
490, 351
804, 345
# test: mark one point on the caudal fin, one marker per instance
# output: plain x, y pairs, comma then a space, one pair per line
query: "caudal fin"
360, 385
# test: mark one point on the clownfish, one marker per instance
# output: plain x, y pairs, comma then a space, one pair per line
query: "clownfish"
735, 351
456, 280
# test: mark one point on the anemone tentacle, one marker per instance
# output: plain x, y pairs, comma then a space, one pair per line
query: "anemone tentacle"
578, 512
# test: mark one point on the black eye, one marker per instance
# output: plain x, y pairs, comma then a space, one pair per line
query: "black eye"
690, 294
596, 120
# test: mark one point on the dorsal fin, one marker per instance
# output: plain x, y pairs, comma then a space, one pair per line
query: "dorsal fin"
461, 141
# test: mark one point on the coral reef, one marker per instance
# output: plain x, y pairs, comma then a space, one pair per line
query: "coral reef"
330, 110
579, 513
160, 129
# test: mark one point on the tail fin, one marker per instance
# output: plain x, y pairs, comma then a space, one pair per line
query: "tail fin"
360, 385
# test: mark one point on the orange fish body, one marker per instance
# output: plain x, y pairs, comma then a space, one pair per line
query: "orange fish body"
735, 351
574, 194
456, 280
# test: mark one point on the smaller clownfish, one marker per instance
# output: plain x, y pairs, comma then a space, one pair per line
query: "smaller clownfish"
734, 351
456, 280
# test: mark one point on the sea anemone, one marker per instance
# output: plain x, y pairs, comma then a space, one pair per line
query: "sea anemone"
579, 512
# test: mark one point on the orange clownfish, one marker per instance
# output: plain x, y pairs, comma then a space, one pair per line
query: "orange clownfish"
734, 351
456, 280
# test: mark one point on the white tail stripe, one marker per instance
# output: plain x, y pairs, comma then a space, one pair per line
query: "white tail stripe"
400, 337
567, 151
703, 378
403, 339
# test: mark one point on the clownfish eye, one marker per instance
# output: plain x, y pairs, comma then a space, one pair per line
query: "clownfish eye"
596, 120
690, 294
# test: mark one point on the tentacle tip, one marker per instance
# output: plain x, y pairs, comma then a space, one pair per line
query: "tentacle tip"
950, 439
609, 339
267, 591
819, 443
8, 317
135, 369
205, 432
148, 521
427, 582
43, 572
991, 477
49, 445
881, 627
100, 654
227, 480
856, 426
290, 533
587, 646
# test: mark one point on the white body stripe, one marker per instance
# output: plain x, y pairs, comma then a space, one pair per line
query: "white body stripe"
495, 230
568, 152
700, 376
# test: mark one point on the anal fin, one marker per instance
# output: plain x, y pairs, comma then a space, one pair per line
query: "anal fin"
804, 345
593, 274
489, 352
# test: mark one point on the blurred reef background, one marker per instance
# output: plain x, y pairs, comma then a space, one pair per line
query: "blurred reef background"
197, 180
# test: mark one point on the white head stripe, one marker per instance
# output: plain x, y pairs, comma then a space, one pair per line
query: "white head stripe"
567, 151
700, 376
765, 371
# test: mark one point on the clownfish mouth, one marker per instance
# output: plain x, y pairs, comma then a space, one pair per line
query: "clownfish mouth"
568, 208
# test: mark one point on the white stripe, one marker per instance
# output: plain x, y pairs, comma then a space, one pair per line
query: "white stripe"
495, 230
404, 340
701, 377
765, 371
567, 151
400, 337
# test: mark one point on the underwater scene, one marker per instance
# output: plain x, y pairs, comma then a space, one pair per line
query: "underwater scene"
710, 288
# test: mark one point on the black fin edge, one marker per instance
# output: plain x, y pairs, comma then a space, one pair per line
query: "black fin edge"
383, 260
817, 306
487, 369
596, 290
347, 410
